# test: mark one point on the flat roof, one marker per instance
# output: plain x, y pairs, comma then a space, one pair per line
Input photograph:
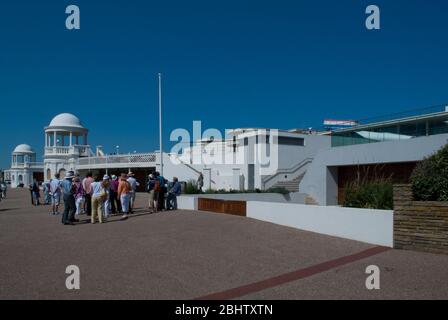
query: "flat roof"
411, 119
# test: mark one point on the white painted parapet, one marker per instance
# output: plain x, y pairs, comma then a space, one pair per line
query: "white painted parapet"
187, 202
366, 225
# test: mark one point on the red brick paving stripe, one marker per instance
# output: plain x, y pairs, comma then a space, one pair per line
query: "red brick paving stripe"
292, 276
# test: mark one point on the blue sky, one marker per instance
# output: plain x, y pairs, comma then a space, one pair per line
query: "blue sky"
281, 64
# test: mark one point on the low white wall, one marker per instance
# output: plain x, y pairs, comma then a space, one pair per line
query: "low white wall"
366, 225
295, 197
187, 202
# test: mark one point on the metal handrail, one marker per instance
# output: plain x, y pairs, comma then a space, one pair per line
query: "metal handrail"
291, 170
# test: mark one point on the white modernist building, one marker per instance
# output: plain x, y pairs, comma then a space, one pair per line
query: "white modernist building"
24, 167
316, 164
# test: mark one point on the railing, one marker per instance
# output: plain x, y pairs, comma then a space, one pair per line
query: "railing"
111, 160
289, 171
176, 156
27, 165
83, 151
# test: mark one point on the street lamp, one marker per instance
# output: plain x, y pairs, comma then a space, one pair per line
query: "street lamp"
118, 149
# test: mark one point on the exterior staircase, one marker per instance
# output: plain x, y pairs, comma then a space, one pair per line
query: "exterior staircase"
290, 185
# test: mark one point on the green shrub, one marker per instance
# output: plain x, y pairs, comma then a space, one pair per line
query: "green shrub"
191, 187
430, 177
374, 194
280, 190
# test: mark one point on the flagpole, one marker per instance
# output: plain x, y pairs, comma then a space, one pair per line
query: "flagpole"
160, 124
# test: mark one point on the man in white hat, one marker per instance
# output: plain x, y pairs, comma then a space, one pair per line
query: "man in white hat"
69, 200
134, 184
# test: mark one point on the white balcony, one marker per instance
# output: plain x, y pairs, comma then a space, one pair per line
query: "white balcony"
76, 150
141, 160
28, 165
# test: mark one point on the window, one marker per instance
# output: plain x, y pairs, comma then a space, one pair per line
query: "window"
290, 141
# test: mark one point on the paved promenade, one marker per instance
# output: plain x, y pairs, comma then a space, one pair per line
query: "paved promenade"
189, 255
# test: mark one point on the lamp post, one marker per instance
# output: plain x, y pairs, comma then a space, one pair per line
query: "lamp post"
118, 149
160, 124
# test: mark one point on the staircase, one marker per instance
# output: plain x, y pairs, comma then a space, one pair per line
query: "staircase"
290, 185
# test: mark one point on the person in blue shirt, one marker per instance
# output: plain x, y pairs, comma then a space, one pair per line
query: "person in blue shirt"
161, 193
173, 192
69, 199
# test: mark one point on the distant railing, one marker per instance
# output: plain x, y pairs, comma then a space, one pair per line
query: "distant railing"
118, 159
83, 151
28, 165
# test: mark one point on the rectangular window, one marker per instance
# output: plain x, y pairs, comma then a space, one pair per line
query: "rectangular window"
290, 141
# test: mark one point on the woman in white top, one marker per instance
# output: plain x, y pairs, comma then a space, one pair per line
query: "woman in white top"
98, 195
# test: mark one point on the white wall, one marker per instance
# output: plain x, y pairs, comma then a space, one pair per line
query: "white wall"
294, 197
187, 202
366, 225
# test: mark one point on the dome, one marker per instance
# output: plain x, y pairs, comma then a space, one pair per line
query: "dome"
23, 148
66, 120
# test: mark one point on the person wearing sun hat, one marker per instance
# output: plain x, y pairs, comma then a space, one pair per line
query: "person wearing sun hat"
134, 184
69, 199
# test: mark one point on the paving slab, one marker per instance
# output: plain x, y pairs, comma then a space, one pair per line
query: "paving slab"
190, 254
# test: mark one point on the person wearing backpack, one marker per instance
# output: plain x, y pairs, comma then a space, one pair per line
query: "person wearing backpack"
151, 189
124, 189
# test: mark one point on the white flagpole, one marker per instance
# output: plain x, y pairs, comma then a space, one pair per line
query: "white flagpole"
160, 124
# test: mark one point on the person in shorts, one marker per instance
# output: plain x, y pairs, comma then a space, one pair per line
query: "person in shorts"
55, 191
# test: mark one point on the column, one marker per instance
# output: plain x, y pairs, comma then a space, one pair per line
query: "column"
71, 137
207, 178
55, 138
236, 179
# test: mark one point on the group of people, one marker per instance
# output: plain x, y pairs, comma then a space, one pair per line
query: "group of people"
99, 197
